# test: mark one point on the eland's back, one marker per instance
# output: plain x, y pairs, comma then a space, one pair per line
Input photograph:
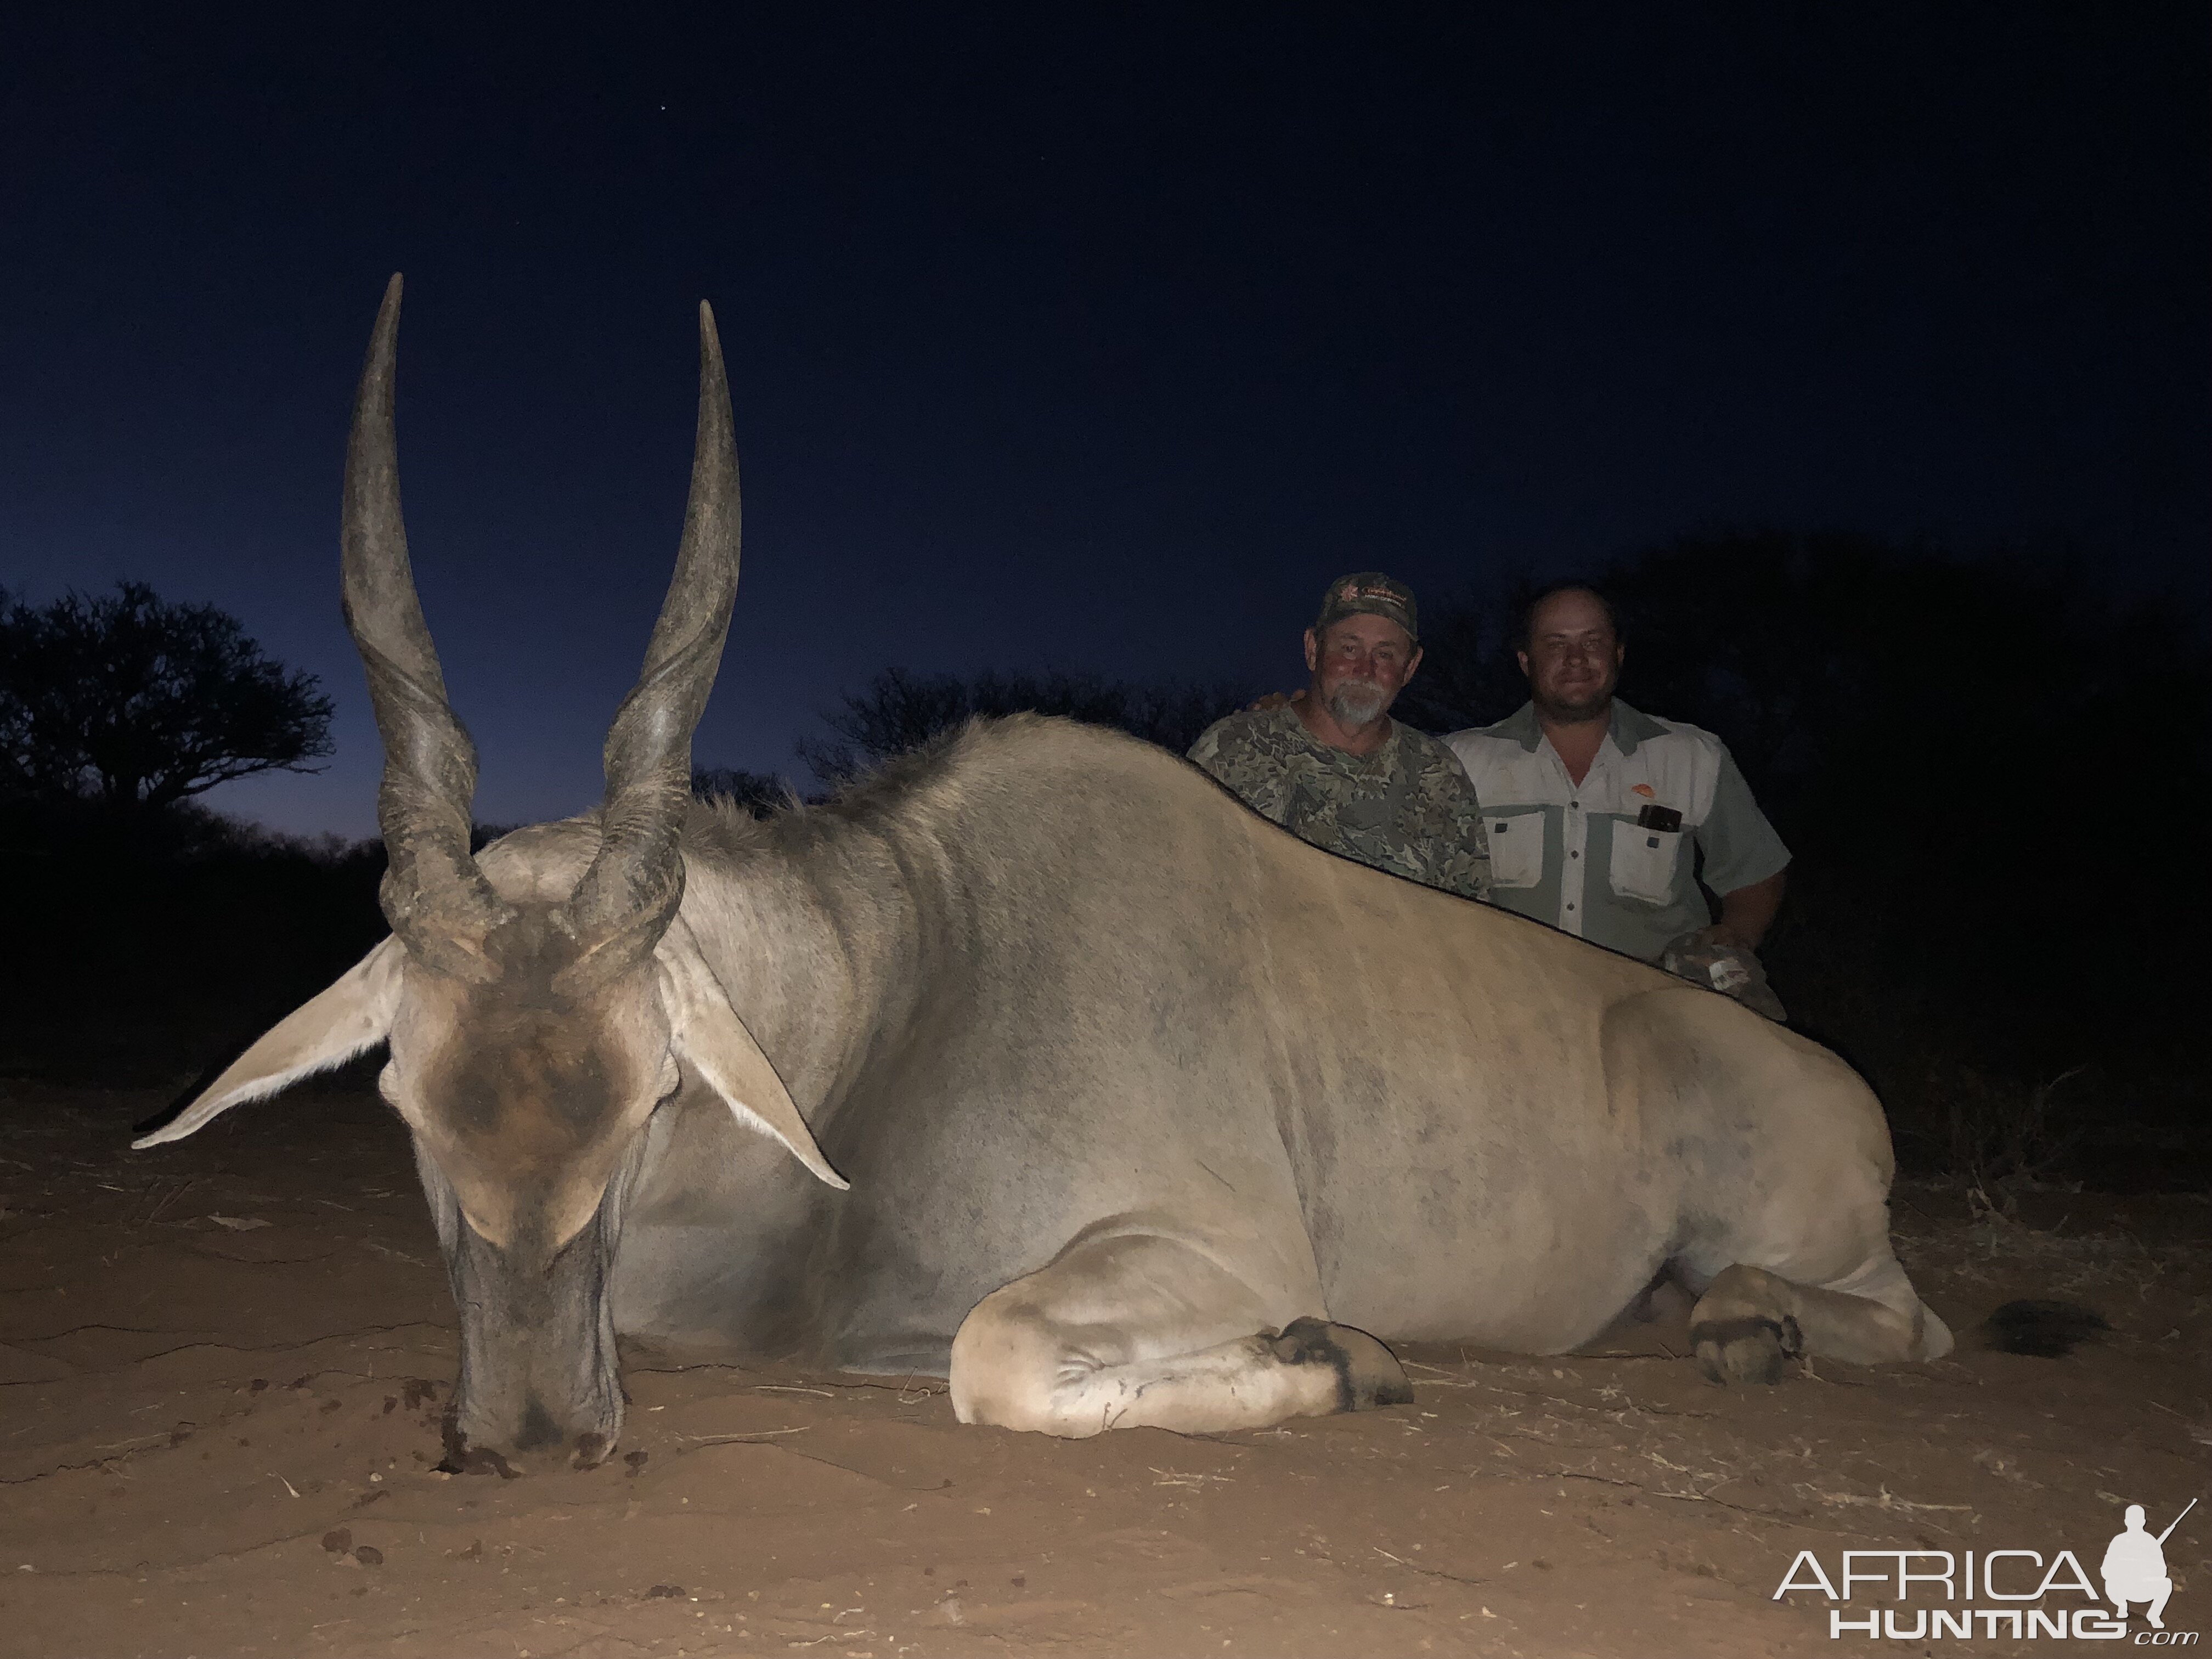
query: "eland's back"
1140, 992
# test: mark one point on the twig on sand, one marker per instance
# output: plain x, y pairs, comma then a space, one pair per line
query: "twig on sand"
1432, 1572
1177, 1478
167, 1199
1887, 1500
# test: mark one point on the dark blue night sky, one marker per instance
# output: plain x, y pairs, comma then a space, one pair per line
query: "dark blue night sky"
1094, 337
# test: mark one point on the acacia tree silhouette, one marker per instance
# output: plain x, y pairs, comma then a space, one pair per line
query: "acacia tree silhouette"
133, 704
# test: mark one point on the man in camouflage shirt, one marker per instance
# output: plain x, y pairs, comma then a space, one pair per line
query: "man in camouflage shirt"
1334, 768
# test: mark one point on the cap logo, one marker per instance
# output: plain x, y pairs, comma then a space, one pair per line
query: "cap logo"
1367, 590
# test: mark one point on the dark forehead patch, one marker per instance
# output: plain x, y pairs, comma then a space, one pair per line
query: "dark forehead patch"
530, 1072
541, 1076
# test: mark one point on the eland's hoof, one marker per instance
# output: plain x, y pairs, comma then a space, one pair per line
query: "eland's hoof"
1367, 1373
1733, 1351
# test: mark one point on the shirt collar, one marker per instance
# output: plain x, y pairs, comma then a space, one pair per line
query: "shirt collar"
1521, 728
1627, 727
1630, 727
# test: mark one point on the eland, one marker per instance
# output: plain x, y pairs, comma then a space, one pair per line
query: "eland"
1035, 1061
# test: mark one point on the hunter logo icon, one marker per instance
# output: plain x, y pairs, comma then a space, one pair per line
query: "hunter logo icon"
2135, 1566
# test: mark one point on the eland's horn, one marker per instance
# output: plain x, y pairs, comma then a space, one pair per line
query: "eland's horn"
434, 896
628, 897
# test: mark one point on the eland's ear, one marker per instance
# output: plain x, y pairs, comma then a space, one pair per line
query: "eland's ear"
329, 1030
708, 1036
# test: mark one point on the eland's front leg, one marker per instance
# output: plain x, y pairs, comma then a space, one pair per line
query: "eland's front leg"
1141, 1331
1750, 1320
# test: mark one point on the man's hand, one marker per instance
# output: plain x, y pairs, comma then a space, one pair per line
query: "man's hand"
1706, 958
1748, 913
1277, 700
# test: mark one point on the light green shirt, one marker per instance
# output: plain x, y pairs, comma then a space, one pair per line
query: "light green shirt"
1573, 855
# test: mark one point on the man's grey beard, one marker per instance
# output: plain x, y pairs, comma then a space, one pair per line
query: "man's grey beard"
1358, 703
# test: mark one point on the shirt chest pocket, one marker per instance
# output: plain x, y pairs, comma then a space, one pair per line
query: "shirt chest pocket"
1645, 861
1517, 848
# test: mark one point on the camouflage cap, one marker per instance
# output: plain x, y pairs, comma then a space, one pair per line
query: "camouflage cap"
1369, 593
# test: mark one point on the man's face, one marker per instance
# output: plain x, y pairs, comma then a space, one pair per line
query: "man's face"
1358, 667
1573, 659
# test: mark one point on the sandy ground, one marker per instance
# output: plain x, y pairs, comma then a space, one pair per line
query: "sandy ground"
224, 1362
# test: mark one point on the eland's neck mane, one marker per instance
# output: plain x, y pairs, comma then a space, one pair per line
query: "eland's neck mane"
817, 954
834, 928
827, 927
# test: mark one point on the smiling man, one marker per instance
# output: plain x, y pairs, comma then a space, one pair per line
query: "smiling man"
1334, 767
1599, 815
